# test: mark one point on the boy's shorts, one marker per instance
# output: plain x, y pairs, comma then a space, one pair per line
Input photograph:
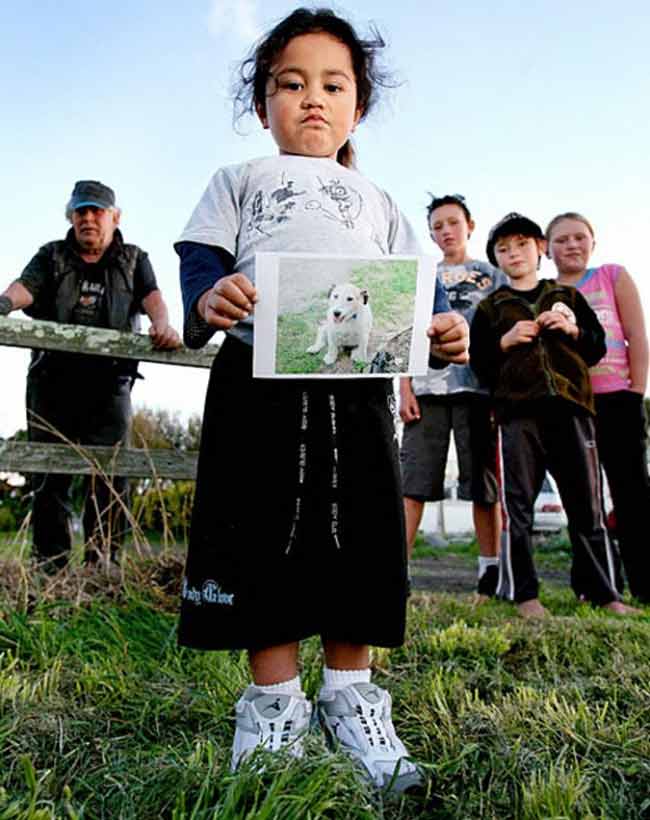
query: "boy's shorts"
298, 518
425, 447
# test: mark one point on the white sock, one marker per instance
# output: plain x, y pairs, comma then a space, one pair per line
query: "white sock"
340, 678
287, 687
485, 561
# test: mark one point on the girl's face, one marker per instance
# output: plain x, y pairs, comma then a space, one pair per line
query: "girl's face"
311, 97
571, 244
450, 229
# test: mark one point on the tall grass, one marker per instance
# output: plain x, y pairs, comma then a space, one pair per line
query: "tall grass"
102, 715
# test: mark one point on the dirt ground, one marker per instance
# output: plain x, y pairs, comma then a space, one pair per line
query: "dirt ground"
446, 572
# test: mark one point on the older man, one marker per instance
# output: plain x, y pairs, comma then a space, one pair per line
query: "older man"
92, 277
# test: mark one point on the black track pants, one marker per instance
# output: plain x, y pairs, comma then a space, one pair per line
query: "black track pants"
564, 444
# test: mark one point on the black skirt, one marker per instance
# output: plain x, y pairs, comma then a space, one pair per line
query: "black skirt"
298, 523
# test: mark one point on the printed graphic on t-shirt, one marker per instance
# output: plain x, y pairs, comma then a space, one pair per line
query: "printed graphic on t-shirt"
88, 310
465, 288
334, 201
270, 210
338, 202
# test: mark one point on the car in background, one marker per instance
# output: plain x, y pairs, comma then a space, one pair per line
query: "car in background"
548, 512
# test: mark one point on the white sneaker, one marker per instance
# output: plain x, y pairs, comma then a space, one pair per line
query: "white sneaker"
272, 722
358, 719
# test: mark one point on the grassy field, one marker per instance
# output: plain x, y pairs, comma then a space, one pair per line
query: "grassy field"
103, 716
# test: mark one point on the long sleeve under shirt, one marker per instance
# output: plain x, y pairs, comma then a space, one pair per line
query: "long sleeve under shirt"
552, 367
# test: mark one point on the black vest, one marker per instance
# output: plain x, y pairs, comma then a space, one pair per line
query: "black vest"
57, 301
63, 294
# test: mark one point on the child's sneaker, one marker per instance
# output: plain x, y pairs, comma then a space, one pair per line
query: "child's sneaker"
271, 722
358, 719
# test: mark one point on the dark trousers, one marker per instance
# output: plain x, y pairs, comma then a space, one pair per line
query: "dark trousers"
563, 443
85, 411
621, 437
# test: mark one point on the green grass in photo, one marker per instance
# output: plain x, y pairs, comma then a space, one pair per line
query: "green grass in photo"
392, 285
295, 334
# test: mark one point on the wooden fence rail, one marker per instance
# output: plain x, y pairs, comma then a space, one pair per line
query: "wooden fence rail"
32, 457
96, 341
36, 457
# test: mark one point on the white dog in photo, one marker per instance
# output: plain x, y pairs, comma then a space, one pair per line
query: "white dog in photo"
348, 324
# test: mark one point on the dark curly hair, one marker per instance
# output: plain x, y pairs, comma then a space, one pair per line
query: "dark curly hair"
250, 87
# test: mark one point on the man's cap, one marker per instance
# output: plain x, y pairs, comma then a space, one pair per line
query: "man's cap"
512, 224
91, 193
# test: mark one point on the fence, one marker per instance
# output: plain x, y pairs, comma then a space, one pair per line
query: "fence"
32, 457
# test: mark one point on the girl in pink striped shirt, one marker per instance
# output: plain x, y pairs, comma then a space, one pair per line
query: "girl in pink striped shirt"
619, 382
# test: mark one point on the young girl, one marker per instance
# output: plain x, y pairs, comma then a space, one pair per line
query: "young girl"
432, 406
619, 382
298, 527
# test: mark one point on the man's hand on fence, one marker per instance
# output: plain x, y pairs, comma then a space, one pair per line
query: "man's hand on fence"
164, 336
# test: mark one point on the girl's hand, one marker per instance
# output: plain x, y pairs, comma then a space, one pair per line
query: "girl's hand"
228, 301
555, 320
521, 333
449, 334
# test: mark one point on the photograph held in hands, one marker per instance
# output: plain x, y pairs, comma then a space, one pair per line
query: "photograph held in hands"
326, 316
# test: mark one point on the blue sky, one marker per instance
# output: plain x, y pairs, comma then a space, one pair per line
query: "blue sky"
539, 107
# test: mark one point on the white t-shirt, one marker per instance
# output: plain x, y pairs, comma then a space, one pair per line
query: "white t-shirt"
293, 204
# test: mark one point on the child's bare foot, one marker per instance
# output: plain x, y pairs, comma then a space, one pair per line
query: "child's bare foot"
532, 609
620, 608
